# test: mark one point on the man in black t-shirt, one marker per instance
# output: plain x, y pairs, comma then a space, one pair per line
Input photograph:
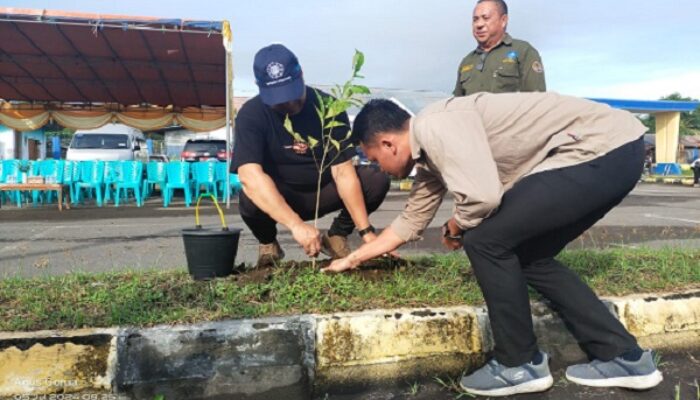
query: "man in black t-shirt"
280, 176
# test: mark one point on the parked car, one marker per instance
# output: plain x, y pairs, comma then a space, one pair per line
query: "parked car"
203, 150
158, 157
108, 143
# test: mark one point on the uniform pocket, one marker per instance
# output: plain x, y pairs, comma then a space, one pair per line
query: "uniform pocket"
506, 79
464, 78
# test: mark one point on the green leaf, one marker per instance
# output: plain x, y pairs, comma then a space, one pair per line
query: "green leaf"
336, 108
357, 61
348, 135
350, 146
288, 124
312, 142
321, 104
336, 144
334, 124
359, 89
298, 137
320, 113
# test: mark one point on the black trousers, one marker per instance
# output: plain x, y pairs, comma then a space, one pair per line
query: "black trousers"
696, 174
515, 248
375, 185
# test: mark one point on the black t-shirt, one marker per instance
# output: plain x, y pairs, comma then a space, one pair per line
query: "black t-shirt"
260, 138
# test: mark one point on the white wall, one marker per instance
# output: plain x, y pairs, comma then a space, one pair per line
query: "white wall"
7, 143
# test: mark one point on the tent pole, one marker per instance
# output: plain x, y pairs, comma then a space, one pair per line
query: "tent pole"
229, 100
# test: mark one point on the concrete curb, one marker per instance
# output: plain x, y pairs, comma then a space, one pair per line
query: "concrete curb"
300, 357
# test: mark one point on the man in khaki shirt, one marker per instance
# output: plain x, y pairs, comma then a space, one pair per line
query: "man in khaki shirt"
529, 172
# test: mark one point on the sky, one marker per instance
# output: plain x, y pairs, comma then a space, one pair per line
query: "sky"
626, 49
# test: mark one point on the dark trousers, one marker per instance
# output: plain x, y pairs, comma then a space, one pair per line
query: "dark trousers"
515, 248
696, 174
375, 185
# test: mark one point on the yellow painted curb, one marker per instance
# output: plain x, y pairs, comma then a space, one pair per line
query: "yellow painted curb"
35, 365
356, 348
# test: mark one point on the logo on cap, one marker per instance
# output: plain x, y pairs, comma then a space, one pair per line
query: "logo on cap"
275, 70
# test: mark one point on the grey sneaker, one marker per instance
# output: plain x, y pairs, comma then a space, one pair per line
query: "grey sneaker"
618, 372
269, 254
335, 246
495, 379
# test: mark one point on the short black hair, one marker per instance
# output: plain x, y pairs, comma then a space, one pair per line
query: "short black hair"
500, 3
379, 116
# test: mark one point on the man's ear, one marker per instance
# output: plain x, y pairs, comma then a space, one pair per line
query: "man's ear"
504, 21
386, 142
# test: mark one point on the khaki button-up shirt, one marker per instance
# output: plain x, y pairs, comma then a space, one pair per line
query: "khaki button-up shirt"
479, 146
512, 66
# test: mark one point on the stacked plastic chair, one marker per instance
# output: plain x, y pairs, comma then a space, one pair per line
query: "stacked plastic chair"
52, 171
177, 177
112, 175
130, 177
91, 179
204, 174
155, 174
71, 174
10, 174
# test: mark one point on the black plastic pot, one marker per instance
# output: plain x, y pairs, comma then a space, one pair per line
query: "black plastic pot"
211, 253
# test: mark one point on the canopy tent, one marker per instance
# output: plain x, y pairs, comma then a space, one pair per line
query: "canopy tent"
85, 70
60, 61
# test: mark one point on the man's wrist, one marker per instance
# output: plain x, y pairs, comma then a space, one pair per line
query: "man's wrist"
447, 234
363, 232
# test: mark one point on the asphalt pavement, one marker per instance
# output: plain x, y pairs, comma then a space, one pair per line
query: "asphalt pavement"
681, 370
42, 240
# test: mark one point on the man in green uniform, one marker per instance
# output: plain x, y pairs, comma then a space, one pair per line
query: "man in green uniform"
500, 63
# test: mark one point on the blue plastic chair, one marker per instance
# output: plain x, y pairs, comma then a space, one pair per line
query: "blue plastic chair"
71, 175
11, 174
204, 174
52, 172
155, 174
221, 175
177, 177
91, 179
112, 172
130, 177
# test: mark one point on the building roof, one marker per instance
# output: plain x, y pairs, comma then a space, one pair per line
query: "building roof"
650, 106
53, 56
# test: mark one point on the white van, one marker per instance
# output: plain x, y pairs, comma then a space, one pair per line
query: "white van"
108, 143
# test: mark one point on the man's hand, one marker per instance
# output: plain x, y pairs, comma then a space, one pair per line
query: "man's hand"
341, 265
452, 235
308, 237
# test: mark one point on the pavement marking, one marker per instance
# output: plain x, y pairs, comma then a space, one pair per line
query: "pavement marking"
690, 221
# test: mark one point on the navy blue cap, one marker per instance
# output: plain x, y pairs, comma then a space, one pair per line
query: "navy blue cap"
278, 75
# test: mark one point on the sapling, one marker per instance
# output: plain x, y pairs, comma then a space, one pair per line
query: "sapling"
328, 110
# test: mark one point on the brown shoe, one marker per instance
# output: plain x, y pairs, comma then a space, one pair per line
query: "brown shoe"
335, 246
270, 254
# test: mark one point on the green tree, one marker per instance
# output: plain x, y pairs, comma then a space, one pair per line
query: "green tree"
690, 121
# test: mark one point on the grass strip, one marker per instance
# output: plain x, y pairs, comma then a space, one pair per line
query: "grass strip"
155, 297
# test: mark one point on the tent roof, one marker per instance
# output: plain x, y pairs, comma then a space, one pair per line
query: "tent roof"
52, 56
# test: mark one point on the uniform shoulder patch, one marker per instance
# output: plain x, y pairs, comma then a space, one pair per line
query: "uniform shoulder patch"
466, 68
537, 67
